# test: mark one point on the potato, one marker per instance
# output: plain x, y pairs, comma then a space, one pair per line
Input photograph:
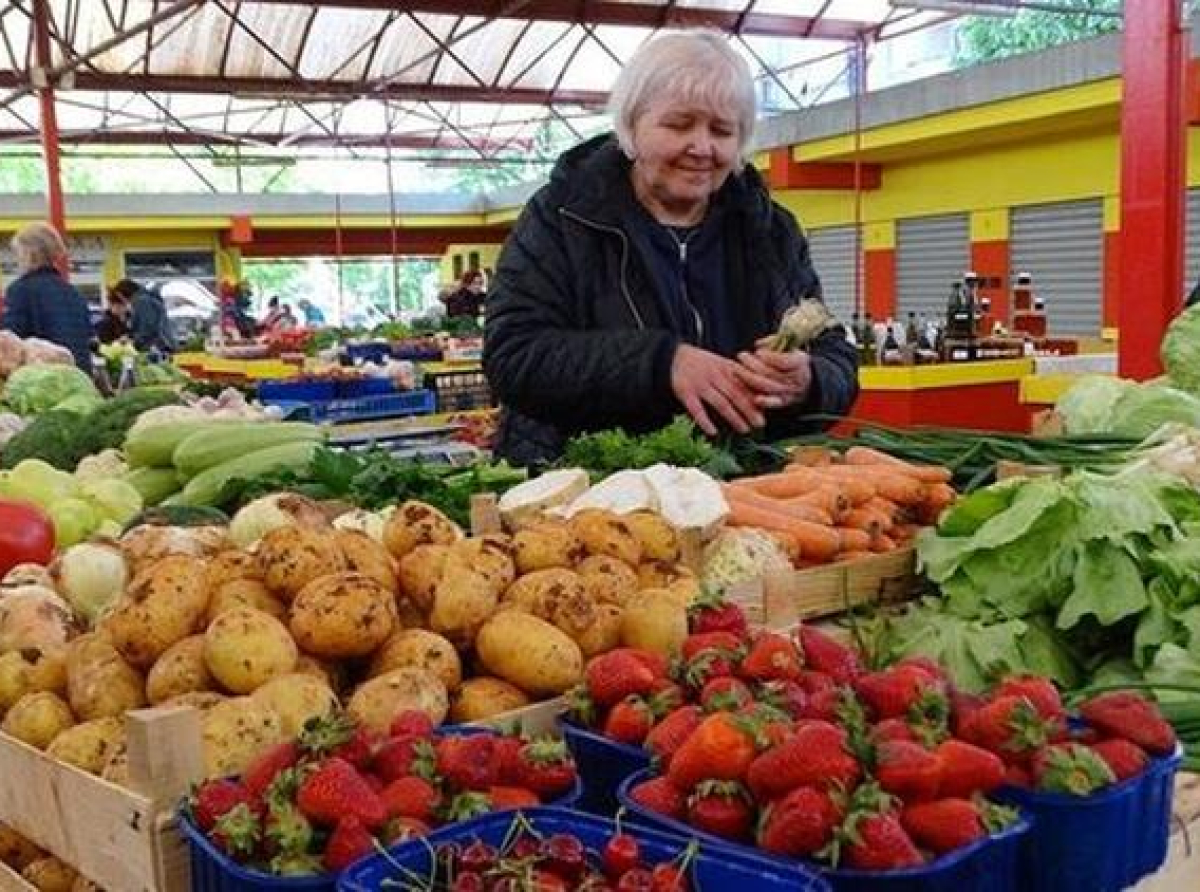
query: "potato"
416, 523
245, 648
608, 580
420, 572
14, 678
232, 566
546, 546
334, 675
529, 652
117, 769
483, 697
164, 604
37, 719
201, 701
658, 539
234, 731
366, 556
490, 556
604, 634
420, 649
48, 669
379, 700
181, 670
50, 875
655, 621
148, 544
295, 699
343, 615
603, 532
463, 601
16, 851
557, 596
292, 557
83, 884
245, 593
89, 746
100, 683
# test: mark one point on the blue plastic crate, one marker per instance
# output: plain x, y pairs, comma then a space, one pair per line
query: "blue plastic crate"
349, 390
213, 871
990, 865
370, 351
712, 871
603, 765
367, 408
1098, 843
296, 391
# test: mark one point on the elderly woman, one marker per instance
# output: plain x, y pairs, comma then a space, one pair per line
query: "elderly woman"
40, 303
640, 281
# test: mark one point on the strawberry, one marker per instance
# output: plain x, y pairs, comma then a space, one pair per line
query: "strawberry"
962, 706
773, 657
908, 770
1008, 726
725, 695
658, 664
720, 749
722, 808
1132, 717
404, 756
948, 824
237, 832
411, 797
662, 797
668, 735
512, 798
667, 697
336, 735
349, 842
824, 705
466, 806
546, 767
771, 726
828, 656
297, 865
1039, 691
411, 723
1071, 768
286, 830
708, 664
879, 842
710, 612
335, 790
893, 729
968, 769
927, 665
1018, 776
467, 762
215, 798
786, 695
629, 721
894, 692
726, 642
1124, 758
815, 756
506, 759
800, 824
265, 767
400, 830
616, 675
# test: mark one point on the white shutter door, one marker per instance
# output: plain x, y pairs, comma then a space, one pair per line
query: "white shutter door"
1062, 247
931, 254
1192, 246
832, 251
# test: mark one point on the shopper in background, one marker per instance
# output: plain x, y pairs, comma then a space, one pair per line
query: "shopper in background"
467, 299
150, 326
313, 316
114, 323
639, 282
40, 303
287, 319
274, 314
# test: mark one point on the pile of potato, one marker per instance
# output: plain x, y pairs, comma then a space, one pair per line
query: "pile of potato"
314, 617
39, 868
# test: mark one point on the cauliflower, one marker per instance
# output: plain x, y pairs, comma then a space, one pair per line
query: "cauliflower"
801, 325
739, 554
106, 464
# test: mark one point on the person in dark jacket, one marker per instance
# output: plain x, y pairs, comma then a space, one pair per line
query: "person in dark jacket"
640, 282
41, 303
467, 299
114, 324
150, 325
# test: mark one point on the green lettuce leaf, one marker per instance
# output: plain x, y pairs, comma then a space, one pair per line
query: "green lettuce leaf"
1108, 585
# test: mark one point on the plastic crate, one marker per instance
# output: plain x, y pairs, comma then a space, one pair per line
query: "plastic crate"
711, 871
371, 351
1098, 843
212, 871
603, 765
296, 391
990, 865
349, 390
395, 405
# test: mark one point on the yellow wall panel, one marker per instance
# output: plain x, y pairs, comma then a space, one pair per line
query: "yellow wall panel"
990, 225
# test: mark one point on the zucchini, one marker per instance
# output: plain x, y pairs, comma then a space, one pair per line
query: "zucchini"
204, 489
152, 447
154, 484
210, 448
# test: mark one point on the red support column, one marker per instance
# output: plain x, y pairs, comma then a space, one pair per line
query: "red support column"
1152, 182
49, 118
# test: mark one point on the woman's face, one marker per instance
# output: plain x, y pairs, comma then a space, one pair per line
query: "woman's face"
684, 154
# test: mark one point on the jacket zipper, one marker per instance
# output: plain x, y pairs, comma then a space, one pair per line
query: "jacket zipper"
613, 230
683, 285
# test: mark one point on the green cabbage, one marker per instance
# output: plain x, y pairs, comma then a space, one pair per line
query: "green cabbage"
1087, 408
1143, 409
1181, 351
37, 388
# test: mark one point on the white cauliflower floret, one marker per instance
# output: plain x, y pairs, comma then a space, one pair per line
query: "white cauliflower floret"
109, 463
739, 554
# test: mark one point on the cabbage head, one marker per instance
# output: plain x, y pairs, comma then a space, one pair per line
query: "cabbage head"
1143, 409
1087, 408
36, 388
1181, 351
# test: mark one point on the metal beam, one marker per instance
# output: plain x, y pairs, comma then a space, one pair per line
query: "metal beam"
49, 117
194, 137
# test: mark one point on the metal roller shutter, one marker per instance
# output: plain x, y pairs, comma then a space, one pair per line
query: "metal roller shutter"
832, 252
1192, 247
1062, 247
931, 254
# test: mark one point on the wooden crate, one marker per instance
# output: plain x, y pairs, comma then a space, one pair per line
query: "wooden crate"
10, 880
780, 600
122, 839
535, 719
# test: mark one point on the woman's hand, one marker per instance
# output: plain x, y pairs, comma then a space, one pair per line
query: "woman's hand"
703, 381
778, 379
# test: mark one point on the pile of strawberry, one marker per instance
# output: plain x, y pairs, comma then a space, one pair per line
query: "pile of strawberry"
326, 799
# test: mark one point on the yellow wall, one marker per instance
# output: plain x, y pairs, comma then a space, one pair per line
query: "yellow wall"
488, 256
229, 260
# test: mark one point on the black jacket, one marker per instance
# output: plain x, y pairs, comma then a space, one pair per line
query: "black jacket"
42, 304
149, 325
575, 339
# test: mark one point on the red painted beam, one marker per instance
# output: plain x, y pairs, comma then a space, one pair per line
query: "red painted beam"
362, 242
1192, 92
786, 172
49, 119
1153, 179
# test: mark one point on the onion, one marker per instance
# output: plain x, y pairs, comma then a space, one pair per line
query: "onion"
363, 521
91, 576
27, 574
33, 616
283, 509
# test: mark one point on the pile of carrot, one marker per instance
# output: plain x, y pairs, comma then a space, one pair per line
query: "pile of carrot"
829, 507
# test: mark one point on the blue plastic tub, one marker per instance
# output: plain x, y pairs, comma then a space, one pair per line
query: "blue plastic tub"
1098, 843
296, 391
370, 351
712, 870
990, 865
603, 765
367, 408
349, 390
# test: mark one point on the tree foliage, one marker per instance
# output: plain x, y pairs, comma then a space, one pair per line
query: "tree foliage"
984, 38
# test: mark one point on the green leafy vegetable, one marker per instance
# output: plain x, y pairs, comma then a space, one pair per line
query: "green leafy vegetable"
1181, 351
60, 438
679, 444
1087, 407
37, 388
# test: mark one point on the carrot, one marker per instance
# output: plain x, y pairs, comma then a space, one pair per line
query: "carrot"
779, 486
866, 456
857, 491
892, 485
812, 456
904, 532
828, 498
940, 495
882, 506
855, 540
816, 542
791, 507
883, 543
868, 519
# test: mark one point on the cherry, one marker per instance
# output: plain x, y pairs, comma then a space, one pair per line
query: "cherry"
566, 855
637, 880
478, 857
469, 882
669, 878
621, 855
526, 847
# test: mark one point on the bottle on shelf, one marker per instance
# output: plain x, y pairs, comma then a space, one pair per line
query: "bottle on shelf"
866, 343
891, 348
912, 332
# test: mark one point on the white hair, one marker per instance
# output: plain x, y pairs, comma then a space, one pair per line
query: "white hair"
38, 245
694, 67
